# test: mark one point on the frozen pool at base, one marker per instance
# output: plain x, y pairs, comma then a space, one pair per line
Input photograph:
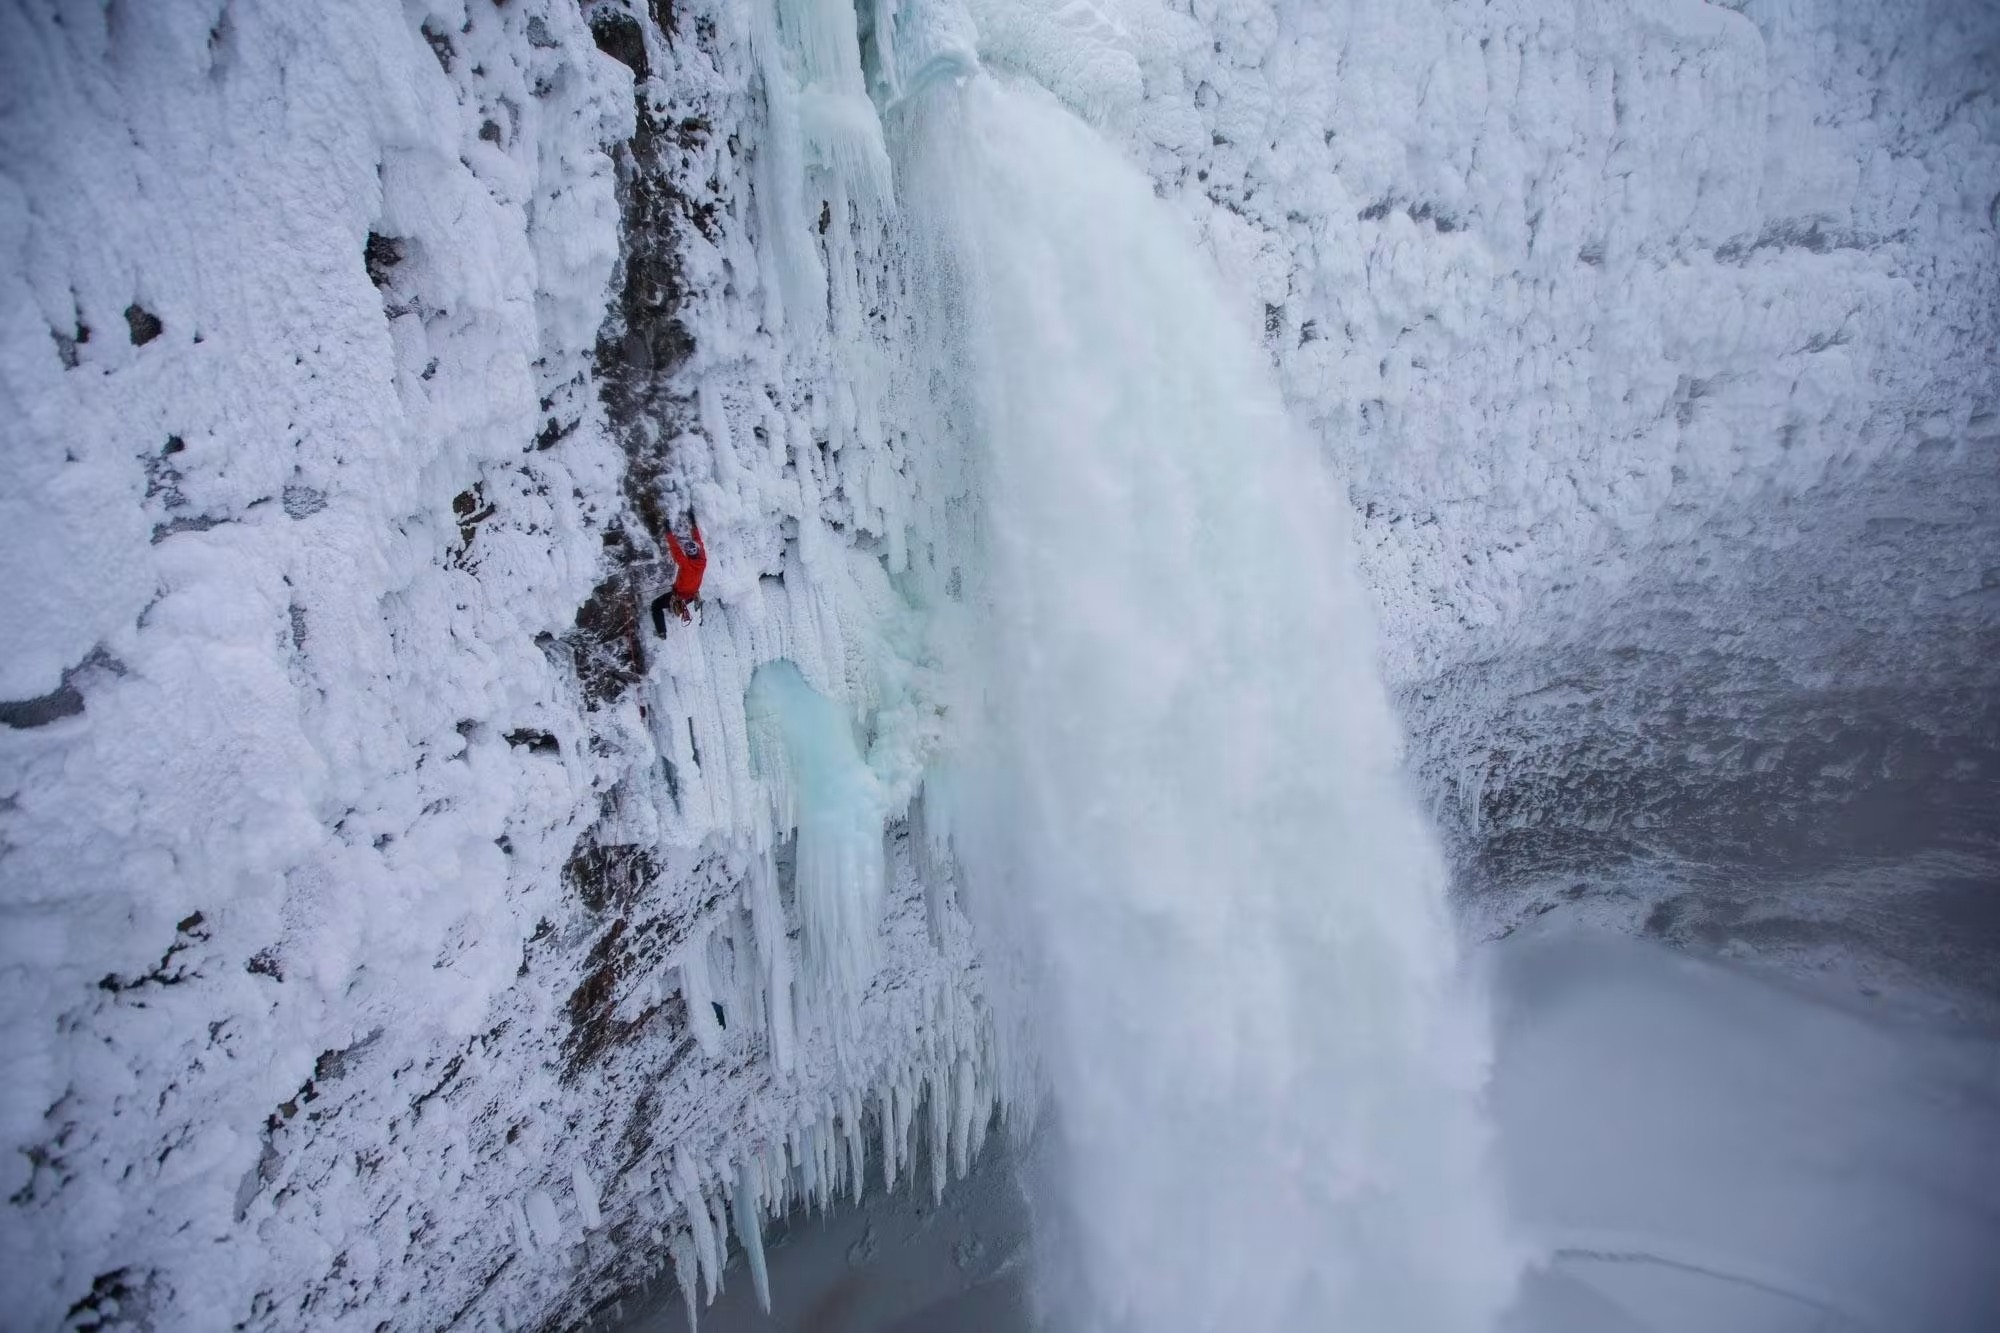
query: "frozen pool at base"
1706, 1146
1691, 1145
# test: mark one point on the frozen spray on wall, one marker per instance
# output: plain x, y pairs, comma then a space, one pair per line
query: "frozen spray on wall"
1265, 1077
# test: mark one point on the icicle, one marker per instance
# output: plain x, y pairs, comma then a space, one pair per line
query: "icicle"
751, 1004
824, 144
940, 1133
981, 1118
836, 1151
587, 1204
828, 1162
798, 1176
906, 1118
767, 917
824, 37
718, 1221
680, 1250
839, 874
888, 1118
857, 1160
965, 1102
698, 989
931, 814
772, 1179
708, 1250
743, 1204
809, 1165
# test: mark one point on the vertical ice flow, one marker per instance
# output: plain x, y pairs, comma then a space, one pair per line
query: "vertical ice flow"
745, 1207
1266, 1079
807, 753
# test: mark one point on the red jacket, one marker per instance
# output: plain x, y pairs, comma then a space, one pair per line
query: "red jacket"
690, 562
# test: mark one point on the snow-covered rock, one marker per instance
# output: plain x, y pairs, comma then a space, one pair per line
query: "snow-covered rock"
398, 925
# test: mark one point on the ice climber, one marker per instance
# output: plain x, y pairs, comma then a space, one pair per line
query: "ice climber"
690, 562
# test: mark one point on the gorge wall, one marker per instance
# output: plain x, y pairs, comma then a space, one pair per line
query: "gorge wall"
399, 928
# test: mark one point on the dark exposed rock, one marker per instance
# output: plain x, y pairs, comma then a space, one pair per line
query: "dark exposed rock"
1807, 234
596, 1029
144, 324
539, 35
1420, 213
440, 45
63, 701
191, 931
162, 477
534, 741
553, 433
647, 338
644, 339
471, 509
117, 1299
609, 653
608, 878
620, 37
302, 501
190, 523
381, 254
1437, 217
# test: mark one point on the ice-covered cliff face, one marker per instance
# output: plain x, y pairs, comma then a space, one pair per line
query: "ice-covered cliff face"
1657, 344
397, 928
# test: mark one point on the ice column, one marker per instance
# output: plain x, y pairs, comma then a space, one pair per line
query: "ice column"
1266, 1078
806, 752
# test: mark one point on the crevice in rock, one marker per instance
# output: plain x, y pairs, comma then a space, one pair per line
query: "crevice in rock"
66, 700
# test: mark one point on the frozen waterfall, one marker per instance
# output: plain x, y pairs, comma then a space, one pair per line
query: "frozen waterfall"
1266, 1078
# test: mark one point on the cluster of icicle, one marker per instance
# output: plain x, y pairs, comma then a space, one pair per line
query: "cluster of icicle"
935, 1115
936, 1109
832, 804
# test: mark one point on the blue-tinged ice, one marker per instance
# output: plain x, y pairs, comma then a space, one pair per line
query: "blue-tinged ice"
911, 44
826, 791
